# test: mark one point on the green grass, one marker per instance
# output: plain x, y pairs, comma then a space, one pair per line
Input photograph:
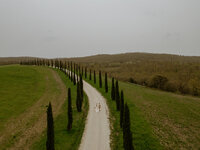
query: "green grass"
66, 139
17, 90
159, 120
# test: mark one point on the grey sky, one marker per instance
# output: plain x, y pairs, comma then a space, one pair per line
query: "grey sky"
67, 28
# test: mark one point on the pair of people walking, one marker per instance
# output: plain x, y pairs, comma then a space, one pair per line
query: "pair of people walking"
98, 107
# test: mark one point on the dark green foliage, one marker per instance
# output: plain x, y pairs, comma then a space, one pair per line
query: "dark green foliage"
74, 73
117, 97
50, 129
86, 72
127, 134
90, 74
81, 86
121, 109
71, 72
113, 89
100, 80
106, 83
82, 72
77, 72
70, 117
78, 98
94, 77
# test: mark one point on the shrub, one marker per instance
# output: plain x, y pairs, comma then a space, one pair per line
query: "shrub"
131, 80
159, 82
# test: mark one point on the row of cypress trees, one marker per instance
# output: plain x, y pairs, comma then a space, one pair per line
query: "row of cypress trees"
73, 71
120, 106
124, 115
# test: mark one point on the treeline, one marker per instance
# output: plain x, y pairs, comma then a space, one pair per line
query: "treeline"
73, 72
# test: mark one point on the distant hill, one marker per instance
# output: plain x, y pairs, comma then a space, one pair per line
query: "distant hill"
175, 73
180, 73
126, 57
13, 60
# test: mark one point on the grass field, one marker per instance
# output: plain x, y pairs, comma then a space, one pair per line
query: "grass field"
25, 92
67, 139
17, 90
159, 120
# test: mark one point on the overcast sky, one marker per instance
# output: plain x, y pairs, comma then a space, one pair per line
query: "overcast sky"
69, 28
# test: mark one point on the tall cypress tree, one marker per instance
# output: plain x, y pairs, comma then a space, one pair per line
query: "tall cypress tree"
78, 98
90, 74
82, 72
86, 72
127, 134
74, 75
71, 72
77, 72
117, 98
106, 83
70, 117
81, 87
100, 80
50, 129
65, 67
113, 89
122, 109
94, 77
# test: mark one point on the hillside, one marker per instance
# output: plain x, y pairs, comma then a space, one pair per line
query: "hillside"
182, 73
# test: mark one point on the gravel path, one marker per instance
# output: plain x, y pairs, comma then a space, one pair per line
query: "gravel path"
97, 130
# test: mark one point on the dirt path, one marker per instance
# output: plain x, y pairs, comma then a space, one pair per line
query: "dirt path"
22, 131
97, 131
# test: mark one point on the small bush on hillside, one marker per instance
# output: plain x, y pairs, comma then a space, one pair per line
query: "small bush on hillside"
158, 81
170, 87
194, 85
131, 80
183, 88
143, 82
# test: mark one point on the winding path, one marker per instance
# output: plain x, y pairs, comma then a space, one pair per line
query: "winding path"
97, 130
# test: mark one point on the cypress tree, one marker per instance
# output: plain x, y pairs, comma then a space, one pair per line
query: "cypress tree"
77, 73
86, 72
127, 134
60, 65
70, 117
106, 83
113, 89
117, 98
82, 72
50, 129
94, 77
78, 98
65, 67
90, 74
74, 74
81, 87
122, 109
71, 72
100, 81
